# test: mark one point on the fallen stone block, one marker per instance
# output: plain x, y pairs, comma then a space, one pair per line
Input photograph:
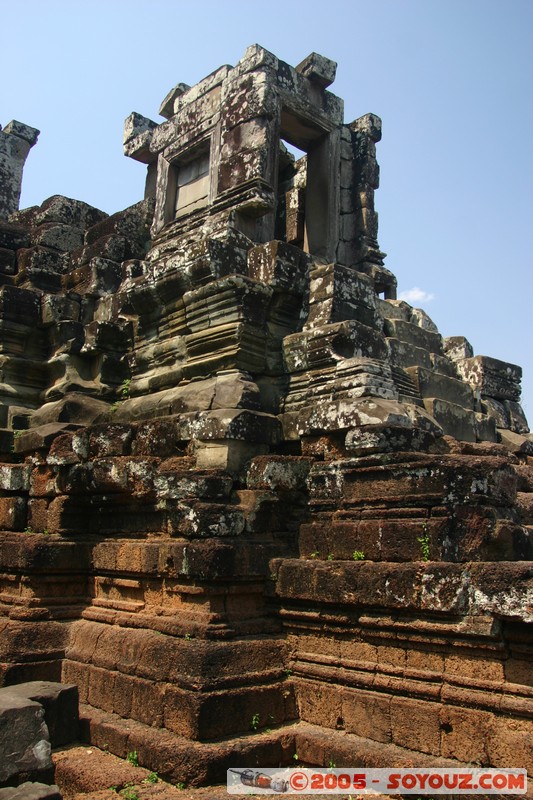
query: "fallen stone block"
31, 791
60, 703
24, 740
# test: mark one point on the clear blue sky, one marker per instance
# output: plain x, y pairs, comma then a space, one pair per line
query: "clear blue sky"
451, 79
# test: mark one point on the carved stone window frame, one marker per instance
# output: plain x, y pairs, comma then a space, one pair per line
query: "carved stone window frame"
168, 168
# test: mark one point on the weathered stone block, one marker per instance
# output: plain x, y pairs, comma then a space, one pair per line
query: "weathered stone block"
515, 442
110, 440
318, 69
134, 125
457, 347
24, 741
338, 293
7, 261
64, 210
64, 238
31, 791
12, 513
41, 437
517, 418
318, 706
404, 354
15, 477
485, 428
454, 420
230, 455
432, 384
278, 473
413, 334
415, 725
330, 343
279, 265
13, 236
19, 305
365, 440
60, 704
492, 377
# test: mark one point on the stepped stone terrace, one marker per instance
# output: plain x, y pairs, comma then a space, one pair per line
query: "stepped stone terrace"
252, 505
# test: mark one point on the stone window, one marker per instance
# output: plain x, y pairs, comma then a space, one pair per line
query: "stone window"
310, 208
192, 185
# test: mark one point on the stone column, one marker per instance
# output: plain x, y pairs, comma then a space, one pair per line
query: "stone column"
16, 140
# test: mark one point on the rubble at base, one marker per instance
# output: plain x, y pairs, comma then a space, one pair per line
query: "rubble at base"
250, 501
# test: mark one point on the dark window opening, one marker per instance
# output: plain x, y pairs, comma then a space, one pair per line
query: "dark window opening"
290, 210
304, 197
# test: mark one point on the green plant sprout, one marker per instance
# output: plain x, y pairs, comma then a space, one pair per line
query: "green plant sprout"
424, 542
125, 389
129, 794
358, 555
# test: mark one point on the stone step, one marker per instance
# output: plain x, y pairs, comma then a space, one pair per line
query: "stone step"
178, 759
90, 769
175, 758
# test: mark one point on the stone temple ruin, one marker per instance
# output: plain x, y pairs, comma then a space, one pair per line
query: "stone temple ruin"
252, 505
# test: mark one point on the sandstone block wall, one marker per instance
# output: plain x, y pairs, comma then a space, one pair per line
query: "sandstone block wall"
246, 494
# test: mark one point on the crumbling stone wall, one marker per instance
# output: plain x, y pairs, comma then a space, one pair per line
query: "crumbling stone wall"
247, 493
